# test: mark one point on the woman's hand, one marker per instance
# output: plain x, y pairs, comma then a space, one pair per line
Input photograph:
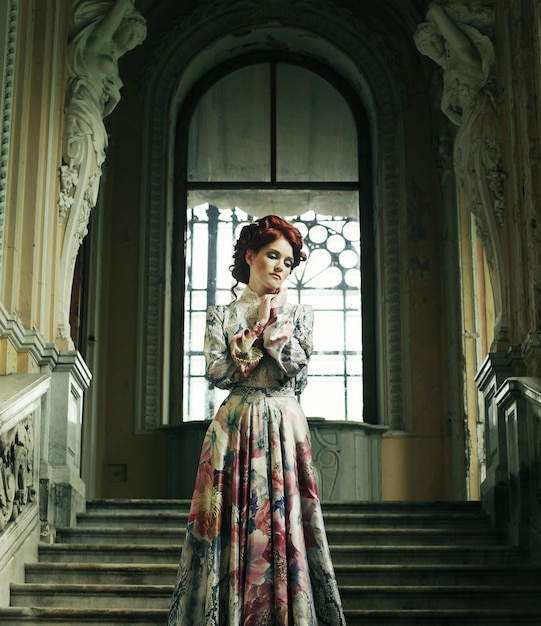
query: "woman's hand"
269, 302
279, 298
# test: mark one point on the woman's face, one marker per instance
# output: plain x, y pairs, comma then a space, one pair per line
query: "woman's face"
270, 267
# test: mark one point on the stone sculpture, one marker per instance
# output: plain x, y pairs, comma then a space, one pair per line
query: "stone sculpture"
102, 31
457, 36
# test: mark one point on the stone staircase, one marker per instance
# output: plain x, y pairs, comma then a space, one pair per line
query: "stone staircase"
396, 563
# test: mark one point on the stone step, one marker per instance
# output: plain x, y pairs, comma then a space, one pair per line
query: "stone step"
152, 574
341, 554
386, 506
442, 617
439, 575
178, 520
401, 506
415, 536
156, 617
396, 563
32, 616
131, 519
438, 597
406, 520
91, 596
427, 555
109, 553
335, 535
139, 505
121, 536
353, 597
101, 573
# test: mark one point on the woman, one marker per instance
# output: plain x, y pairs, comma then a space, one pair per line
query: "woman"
256, 551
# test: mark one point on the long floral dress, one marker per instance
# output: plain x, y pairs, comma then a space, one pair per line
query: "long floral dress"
256, 552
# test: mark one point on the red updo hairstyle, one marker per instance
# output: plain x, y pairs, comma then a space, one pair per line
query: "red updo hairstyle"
259, 234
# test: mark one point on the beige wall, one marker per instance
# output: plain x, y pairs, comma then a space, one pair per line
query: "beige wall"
128, 464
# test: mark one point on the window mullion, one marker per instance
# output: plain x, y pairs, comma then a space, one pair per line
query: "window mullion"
213, 214
273, 122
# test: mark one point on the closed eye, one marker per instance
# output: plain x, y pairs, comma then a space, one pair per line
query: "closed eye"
272, 254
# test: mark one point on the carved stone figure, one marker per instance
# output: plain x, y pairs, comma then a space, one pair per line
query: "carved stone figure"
465, 54
17, 478
456, 37
103, 30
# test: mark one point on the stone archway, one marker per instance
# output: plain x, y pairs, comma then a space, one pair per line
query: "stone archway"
214, 34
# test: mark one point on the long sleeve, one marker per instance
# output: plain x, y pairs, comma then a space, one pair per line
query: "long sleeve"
245, 352
229, 361
288, 340
220, 368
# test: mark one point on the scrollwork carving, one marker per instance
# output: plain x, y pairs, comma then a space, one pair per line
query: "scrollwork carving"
16, 471
327, 460
69, 179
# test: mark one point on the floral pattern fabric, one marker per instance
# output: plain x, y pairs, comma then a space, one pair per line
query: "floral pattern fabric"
256, 551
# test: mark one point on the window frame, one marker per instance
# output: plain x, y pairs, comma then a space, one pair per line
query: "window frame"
182, 187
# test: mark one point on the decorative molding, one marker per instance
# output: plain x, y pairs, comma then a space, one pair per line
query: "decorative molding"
24, 340
9, 9
69, 179
199, 28
191, 47
325, 447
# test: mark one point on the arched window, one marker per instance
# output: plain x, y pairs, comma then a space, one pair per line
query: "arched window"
281, 137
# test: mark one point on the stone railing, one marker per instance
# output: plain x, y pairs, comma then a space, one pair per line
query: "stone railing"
518, 402
21, 400
492, 448
341, 450
510, 429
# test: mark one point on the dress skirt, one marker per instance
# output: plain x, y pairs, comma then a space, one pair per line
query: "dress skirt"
256, 552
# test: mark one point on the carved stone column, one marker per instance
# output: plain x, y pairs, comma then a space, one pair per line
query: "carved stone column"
102, 32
